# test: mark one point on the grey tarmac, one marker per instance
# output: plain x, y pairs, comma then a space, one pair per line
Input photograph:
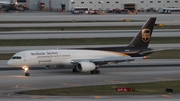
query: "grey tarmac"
14, 80
84, 34
139, 71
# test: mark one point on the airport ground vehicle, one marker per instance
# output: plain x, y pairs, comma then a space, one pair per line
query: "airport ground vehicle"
20, 7
173, 11
80, 10
6, 6
170, 10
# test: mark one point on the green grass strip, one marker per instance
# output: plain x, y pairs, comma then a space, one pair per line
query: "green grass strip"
68, 28
12, 22
166, 54
82, 41
140, 89
6, 56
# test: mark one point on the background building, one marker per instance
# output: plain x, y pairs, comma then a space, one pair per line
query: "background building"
97, 4
110, 4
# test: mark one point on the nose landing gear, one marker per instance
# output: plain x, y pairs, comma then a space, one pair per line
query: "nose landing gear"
26, 70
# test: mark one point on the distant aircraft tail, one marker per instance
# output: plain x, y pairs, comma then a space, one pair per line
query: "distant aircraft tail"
144, 35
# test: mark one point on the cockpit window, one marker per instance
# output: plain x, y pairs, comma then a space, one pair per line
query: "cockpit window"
16, 57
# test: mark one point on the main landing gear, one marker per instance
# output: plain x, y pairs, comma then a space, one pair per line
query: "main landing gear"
26, 70
75, 70
96, 71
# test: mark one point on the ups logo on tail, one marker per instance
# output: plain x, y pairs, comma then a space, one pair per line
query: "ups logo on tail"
146, 34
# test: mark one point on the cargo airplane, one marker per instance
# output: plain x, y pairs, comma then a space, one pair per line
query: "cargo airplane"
87, 59
5, 5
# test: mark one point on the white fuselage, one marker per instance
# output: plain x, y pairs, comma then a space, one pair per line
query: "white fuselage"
56, 57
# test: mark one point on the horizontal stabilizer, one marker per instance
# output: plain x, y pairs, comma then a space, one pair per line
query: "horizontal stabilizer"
154, 50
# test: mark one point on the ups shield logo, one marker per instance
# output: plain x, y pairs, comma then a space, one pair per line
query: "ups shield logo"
146, 34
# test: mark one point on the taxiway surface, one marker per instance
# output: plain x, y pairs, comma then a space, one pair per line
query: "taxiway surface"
139, 71
57, 16
13, 80
84, 34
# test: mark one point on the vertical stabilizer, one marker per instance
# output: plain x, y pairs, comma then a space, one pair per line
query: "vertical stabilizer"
144, 35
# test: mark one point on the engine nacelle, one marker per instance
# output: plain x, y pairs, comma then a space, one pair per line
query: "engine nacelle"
85, 66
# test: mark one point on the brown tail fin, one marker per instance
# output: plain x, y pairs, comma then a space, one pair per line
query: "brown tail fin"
144, 35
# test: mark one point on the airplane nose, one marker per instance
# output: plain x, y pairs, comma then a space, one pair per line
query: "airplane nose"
10, 62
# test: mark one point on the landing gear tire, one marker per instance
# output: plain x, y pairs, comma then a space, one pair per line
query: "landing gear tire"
75, 70
27, 74
95, 72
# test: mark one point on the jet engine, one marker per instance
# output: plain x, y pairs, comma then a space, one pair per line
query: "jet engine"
85, 66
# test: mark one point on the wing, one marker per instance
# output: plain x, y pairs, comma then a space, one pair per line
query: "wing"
85, 65
104, 60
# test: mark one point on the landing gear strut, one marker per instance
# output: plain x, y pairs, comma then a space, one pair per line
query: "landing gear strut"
26, 70
96, 71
